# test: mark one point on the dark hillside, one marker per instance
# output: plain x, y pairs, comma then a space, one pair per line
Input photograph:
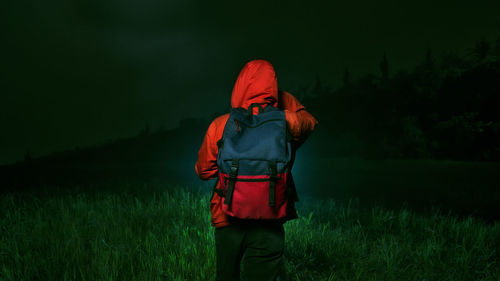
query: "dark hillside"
166, 155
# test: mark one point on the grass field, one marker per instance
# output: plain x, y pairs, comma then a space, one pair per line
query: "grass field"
165, 234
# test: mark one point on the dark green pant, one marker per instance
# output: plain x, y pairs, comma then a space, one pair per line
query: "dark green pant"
258, 248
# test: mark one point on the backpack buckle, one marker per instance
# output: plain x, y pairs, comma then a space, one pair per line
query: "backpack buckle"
232, 180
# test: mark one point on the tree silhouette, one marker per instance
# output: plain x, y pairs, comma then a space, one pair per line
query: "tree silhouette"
481, 50
429, 61
145, 131
27, 156
346, 79
384, 67
497, 48
318, 86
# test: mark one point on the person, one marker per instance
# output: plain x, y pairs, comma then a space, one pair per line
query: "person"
251, 248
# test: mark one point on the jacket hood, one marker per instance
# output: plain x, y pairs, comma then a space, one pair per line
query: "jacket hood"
256, 83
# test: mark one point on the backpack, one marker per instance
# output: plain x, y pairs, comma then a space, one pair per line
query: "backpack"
255, 160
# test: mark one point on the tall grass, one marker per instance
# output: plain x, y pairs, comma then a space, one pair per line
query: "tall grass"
167, 236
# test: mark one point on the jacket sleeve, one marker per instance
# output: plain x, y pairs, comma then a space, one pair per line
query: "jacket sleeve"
300, 122
206, 165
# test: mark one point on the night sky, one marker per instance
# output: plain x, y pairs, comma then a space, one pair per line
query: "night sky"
83, 72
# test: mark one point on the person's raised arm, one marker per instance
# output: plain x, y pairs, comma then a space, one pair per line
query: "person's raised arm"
300, 122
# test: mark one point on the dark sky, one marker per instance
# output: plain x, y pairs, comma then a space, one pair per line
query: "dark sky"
81, 72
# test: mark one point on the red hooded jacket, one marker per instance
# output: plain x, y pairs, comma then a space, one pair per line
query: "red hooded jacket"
256, 83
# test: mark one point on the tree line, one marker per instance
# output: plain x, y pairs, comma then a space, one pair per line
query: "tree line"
445, 108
